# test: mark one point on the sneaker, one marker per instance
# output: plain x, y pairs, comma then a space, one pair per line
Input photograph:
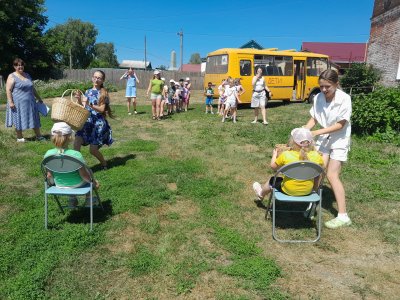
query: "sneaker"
258, 189
135, 112
336, 223
223, 120
265, 122
206, 112
129, 113
95, 202
22, 140
254, 122
40, 138
234, 120
212, 113
72, 202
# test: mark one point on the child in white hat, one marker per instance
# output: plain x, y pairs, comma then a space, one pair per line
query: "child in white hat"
301, 148
61, 136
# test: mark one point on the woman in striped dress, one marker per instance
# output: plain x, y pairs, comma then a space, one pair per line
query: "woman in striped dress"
21, 109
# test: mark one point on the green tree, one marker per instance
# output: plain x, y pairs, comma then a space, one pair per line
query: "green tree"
104, 56
21, 35
73, 40
195, 59
361, 77
162, 67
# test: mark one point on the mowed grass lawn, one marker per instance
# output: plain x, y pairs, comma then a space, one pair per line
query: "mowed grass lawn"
180, 221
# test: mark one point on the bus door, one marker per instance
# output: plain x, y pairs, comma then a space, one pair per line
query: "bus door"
246, 74
299, 80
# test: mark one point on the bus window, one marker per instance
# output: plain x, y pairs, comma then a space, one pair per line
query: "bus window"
315, 65
217, 64
245, 68
274, 65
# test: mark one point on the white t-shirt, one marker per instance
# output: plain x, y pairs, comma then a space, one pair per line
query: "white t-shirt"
231, 93
328, 114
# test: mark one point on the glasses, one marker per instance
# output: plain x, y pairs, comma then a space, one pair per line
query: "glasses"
97, 78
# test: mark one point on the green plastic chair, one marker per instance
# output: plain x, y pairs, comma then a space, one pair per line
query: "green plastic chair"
62, 163
301, 170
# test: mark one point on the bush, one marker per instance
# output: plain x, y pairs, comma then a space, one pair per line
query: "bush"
360, 77
378, 114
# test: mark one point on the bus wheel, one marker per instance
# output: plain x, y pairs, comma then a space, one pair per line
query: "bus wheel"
310, 99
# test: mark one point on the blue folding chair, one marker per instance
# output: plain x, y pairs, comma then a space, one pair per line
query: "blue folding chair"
62, 163
301, 170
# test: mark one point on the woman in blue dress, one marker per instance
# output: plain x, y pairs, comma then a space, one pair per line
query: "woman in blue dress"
22, 111
96, 132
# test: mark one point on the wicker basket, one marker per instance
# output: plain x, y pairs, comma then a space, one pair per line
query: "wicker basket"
69, 111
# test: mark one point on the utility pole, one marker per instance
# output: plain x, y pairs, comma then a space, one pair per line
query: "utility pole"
70, 58
145, 53
181, 46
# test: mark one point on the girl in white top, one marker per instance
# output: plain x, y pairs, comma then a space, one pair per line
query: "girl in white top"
332, 111
259, 98
239, 88
221, 99
231, 101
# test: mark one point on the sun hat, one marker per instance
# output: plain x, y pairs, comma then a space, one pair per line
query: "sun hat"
171, 80
187, 79
156, 72
162, 78
302, 136
61, 127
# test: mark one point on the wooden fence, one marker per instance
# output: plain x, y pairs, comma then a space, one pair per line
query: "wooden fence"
114, 75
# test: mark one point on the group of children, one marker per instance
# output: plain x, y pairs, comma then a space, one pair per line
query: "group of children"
176, 96
229, 92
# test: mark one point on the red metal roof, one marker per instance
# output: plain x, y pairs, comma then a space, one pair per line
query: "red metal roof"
191, 68
339, 52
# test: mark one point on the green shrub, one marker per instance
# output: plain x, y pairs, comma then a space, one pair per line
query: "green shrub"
360, 77
378, 114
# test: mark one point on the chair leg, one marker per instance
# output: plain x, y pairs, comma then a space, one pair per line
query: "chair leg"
98, 198
59, 204
268, 206
91, 209
274, 219
45, 211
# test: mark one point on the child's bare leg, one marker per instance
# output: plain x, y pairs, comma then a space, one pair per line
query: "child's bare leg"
134, 103
128, 104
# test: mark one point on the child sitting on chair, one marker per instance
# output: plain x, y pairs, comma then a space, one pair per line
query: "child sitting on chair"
61, 136
302, 148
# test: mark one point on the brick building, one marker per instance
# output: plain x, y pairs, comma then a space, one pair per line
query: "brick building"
384, 42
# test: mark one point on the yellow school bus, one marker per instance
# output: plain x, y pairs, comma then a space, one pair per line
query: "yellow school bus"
290, 75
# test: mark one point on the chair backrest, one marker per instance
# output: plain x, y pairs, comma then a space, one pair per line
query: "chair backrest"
62, 163
301, 170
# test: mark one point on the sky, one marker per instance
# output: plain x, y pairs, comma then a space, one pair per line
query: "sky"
211, 25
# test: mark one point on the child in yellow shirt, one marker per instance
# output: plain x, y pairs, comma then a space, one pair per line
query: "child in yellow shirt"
302, 148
